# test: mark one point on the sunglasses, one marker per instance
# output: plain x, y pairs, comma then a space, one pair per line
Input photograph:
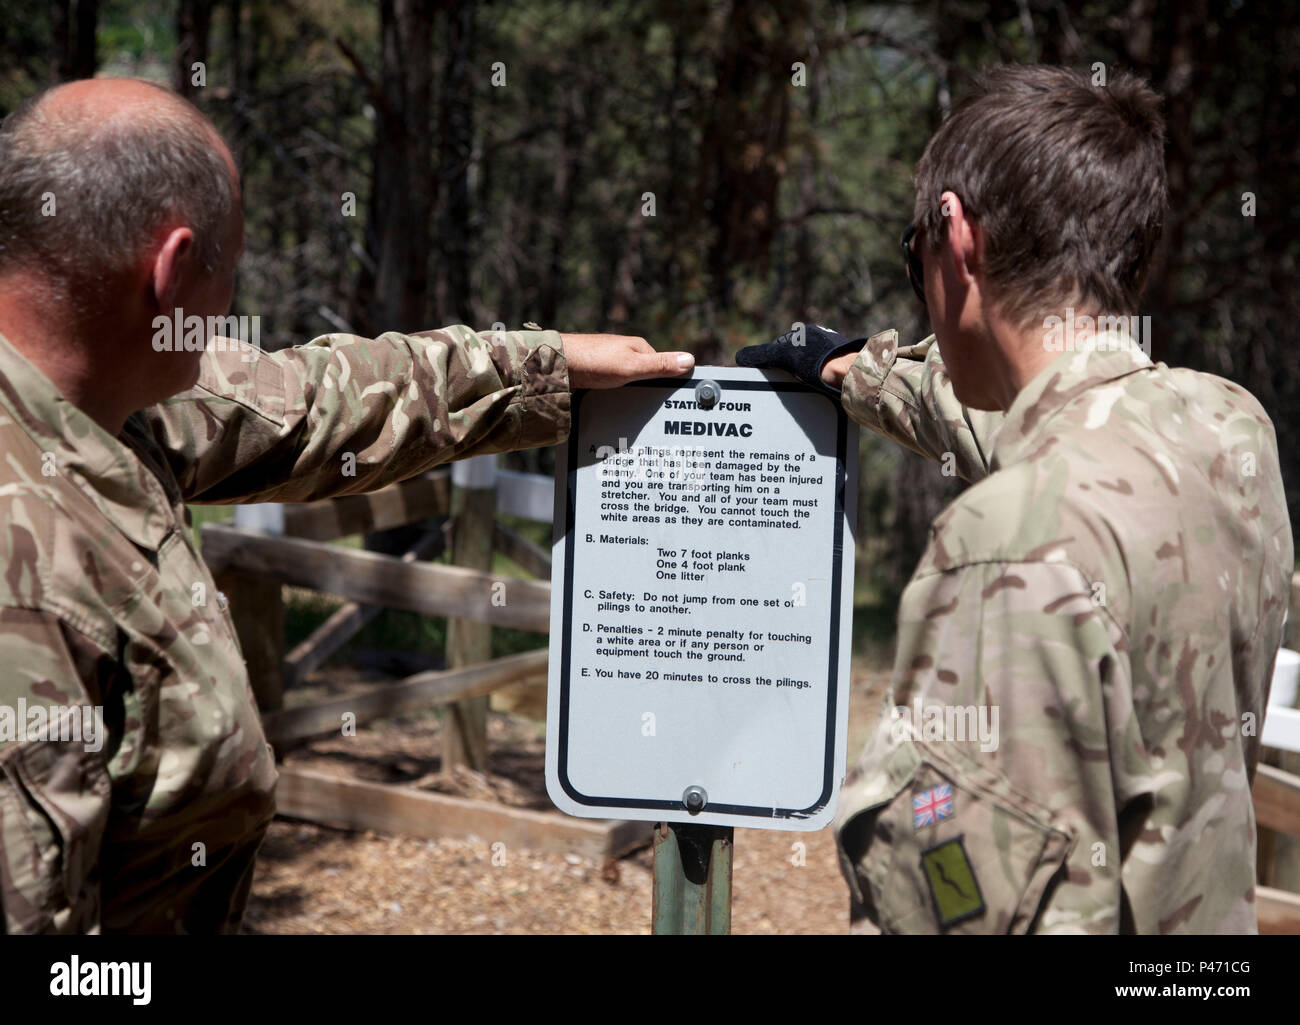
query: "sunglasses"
912, 262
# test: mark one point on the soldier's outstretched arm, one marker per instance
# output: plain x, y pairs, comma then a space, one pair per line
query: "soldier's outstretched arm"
900, 392
54, 793
904, 393
345, 414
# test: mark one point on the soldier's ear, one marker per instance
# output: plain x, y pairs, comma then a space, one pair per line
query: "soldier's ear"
963, 239
170, 264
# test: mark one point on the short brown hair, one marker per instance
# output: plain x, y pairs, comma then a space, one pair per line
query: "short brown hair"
1066, 179
114, 184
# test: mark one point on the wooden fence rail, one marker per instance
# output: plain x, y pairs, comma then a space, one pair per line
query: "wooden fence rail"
256, 564
423, 690
372, 578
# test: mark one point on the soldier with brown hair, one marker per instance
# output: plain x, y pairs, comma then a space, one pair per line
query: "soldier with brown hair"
107, 430
1114, 583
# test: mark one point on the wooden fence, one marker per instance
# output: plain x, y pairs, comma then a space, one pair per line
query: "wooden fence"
270, 546
251, 564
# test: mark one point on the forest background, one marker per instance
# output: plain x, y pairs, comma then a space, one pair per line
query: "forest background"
702, 174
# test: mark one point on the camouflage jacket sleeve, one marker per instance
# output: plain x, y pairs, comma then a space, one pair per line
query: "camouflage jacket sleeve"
903, 392
344, 415
1000, 694
54, 781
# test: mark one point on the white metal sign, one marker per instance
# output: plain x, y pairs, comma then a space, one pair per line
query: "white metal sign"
702, 596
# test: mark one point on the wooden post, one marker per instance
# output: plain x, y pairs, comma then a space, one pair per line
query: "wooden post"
1278, 855
469, 641
257, 609
1291, 639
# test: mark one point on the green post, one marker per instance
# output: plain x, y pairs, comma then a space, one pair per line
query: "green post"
692, 890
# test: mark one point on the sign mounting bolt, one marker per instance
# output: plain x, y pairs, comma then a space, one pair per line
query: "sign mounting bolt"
695, 799
707, 394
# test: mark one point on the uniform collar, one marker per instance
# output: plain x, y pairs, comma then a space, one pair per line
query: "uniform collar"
1111, 356
108, 472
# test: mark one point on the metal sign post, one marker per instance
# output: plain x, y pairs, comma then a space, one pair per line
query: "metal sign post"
692, 889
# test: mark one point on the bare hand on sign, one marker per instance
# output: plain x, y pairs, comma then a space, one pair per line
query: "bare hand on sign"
607, 361
835, 370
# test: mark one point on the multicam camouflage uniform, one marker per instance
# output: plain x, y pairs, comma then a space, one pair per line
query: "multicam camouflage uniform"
104, 600
1114, 584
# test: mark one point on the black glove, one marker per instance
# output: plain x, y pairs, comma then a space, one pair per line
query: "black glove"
805, 360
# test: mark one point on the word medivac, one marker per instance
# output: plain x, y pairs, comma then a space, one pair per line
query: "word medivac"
713, 428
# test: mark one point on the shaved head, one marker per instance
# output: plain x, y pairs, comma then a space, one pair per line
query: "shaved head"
92, 173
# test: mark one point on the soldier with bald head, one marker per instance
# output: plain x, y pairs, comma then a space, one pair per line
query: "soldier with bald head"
120, 208
1109, 593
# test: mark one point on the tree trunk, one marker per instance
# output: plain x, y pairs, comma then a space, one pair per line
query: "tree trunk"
193, 18
73, 24
456, 143
403, 186
744, 153
564, 194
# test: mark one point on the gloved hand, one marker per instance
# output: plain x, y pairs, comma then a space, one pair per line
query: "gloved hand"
804, 361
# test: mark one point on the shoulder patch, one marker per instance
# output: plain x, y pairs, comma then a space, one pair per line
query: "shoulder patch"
952, 881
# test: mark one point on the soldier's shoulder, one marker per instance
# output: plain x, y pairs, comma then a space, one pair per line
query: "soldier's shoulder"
1036, 510
47, 530
28, 523
1223, 399
1190, 415
229, 377
1122, 485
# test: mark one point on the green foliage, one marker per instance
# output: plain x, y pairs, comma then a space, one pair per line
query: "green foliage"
774, 202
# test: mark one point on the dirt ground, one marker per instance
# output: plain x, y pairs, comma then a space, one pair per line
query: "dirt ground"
313, 879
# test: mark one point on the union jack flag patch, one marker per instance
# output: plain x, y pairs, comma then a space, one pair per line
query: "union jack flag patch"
931, 806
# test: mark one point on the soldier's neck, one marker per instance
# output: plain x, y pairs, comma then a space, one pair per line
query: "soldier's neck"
57, 345
1024, 354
